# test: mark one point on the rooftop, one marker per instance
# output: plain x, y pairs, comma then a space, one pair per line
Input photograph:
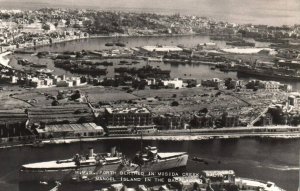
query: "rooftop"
70, 113
162, 48
127, 110
218, 173
70, 128
11, 116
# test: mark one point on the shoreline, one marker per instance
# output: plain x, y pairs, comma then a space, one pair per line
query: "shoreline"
56, 41
171, 137
5, 61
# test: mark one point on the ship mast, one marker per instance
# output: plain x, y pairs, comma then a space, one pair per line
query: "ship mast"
299, 173
141, 151
141, 140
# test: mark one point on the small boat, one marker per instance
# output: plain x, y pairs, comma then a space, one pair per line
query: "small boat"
123, 62
58, 184
198, 159
38, 144
45, 71
151, 160
24, 62
120, 44
212, 68
38, 65
155, 59
43, 182
135, 62
109, 44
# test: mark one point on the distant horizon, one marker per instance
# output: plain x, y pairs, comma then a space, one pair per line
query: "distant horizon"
267, 12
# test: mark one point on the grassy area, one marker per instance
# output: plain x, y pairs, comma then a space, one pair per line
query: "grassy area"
10, 103
106, 94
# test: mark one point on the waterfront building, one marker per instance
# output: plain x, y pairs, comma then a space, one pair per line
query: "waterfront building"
249, 184
272, 86
14, 79
220, 176
161, 49
61, 23
215, 82
37, 82
12, 123
70, 130
127, 120
267, 119
269, 85
235, 84
294, 100
202, 120
187, 183
207, 46
286, 87
64, 114
176, 83
169, 121
65, 83
230, 119
35, 27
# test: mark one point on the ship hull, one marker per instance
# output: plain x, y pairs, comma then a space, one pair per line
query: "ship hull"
66, 174
271, 76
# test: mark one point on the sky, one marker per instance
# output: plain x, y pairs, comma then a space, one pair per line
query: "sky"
272, 12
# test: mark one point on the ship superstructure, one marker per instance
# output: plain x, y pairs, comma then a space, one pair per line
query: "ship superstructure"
150, 160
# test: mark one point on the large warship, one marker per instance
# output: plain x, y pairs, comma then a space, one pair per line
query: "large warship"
270, 72
64, 170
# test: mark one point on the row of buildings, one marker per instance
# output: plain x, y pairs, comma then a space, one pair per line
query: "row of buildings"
251, 84
83, 120
41, 80
73, 119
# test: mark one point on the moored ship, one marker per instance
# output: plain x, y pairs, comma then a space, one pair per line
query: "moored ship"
270, 72
64, 170
240, 43
150, 160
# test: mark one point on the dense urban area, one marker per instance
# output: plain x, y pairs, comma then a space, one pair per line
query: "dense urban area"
141, 99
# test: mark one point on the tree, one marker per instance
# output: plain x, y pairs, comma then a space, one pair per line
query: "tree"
87, 23
55, 103
46, 27
204, 110
76, 95
68, 22
82, 120
174, 104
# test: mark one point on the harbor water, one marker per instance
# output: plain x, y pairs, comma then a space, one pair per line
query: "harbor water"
196, 71
264, 159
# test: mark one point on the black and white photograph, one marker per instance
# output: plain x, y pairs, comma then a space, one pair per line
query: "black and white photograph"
150, 95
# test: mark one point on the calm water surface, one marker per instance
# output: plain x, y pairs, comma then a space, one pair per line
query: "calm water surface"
196, 71
268, 160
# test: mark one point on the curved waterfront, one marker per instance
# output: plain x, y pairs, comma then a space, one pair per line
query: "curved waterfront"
197, 71
268, 160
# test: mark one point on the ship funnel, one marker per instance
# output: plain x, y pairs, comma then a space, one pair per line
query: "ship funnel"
91, 153
113, 151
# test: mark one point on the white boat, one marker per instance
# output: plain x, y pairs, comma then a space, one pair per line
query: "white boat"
46, 71
150, 160
67, 169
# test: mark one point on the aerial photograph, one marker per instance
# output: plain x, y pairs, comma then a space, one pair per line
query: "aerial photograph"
150, 95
